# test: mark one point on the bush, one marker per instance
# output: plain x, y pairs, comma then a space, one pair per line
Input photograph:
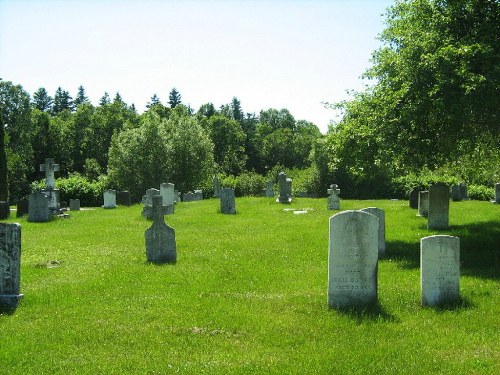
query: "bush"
480, 193
246, 184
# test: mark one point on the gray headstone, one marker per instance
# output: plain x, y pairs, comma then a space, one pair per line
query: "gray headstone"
22, 207
160, 238
439, 206
285, 185
10, 266
497, 193
188, 197
177, 196
270, 189
439, 270
352, 259
455, 193
414, 198
423, 203
4, 210
123, 198
334, 188
38, 207
463, 191
380, 214
54, 201
109, 198
198, 195
167, 191
333, 202
74, 204
49, 168
227, 201
216, 186
147, 201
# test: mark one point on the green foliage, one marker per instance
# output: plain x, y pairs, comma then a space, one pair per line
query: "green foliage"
246, 184
306, 180
174, 98
480, 193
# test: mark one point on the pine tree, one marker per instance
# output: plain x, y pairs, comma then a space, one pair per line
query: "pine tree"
174, 98
104, 100
154, 101
62, 101
42, 100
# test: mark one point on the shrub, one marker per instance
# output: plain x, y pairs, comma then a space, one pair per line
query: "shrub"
480, 193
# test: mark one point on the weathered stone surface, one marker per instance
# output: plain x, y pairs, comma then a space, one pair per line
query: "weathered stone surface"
227, 201
198, 195
167, 191
147, 200
74, 204
216, 186
380, 214
414, 198
188, 197
10, 266
333, 202
123, 198
439, 206
38, 208
109, 199
497, 193
160, 238
270, 189
285, 185
352, 259
22, 207
439, 269
423, 203
455, 193
463, 191
49, 168
4, 210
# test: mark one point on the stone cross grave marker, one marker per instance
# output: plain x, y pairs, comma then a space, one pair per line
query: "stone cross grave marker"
227, 201
380, 214
10, 266
333, 200
147, 201
439, 206
49, 168
167, 191
439, 269
423, 203
352, 259
109, 198
160, 238
38, 207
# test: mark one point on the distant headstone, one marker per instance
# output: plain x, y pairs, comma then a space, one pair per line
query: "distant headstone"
109, 198
74, 204
423, 203
123, 198
10, 266
414, 198
455, 193
22, 207
380, 214
227, 201
439, 269
285, 185
188, 197
463, 191
38, 207
4, 210
147, 201
160, 238
439, 206
49, 168
333, 200
270, 189
352, 259
167, 192
334, 188
177, 196
198, 195
497, 193
216, 186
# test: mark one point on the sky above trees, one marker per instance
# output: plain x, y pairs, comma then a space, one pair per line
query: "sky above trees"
269, 54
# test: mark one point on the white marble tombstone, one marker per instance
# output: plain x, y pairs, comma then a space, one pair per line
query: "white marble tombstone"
380, 214
38, 207
167, 191
352, 259
423, 203
439, 269
160, 238
10, 266
109, 198
439, 206
227, 201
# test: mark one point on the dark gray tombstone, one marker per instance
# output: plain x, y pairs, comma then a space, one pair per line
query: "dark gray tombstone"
413, 198
285, 185
463, 191
497, 193
198, 195
227, 201
4, 210
74, 204
380, 214
22, 207
439, 206
147, 200
188, 197
123, 198
423, 203
455, 193
352, 259
38, 208
439, 270
10, 266
160, 238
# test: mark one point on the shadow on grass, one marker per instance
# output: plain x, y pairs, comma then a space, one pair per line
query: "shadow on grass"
479, 249
374, 313
463, 303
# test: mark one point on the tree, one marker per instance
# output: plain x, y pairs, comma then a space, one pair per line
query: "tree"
155, 100
174, 98
104, 99
236, 111
42, 100
81, 98
4, 180
62, 101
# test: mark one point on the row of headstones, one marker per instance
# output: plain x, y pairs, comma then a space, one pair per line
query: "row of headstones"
353, 263
433, 204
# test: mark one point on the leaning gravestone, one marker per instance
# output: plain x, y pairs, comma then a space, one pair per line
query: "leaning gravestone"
22, 207
227, 201
414, 198
352, 259
10, 266
439, 206
455, 193
439, 269
74, 204
167, 191
38, 207
4, 210
285, 185
123, 198
497, 193
423, 203
380, 214
109, 198
160, 238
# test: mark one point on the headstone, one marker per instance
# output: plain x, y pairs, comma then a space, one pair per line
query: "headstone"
49, 168
123, 198
333, 200
10, 266
160, 238
423, 203
22, 207
270, 189
198, 195
109, 198
147, 200
167, 192
497, 193
38, 207
352, 259
439, 206
463, 191
177, 196
285, 185
216, 186
4, 210
227, 201
380, 214
334, 188
188, 197
414, 198
455, 193
439, 269
74, 204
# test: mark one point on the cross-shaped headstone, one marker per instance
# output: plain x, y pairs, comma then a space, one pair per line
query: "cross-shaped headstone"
49, 168
160, 238
159, 210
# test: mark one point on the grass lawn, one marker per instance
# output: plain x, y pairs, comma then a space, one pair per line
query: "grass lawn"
248, 295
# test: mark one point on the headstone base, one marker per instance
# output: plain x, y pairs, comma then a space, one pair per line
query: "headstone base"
9, 302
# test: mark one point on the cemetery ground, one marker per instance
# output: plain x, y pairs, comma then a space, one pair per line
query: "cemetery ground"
248, 295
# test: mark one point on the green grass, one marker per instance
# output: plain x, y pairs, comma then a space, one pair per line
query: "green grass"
248, 295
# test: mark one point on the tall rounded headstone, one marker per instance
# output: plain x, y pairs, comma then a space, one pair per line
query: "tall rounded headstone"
439, 206
380, 214
413, 198
109, 198
10, 266
423, 203
352, 259
160, 238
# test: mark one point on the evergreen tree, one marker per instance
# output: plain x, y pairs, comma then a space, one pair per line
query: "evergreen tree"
4, 186
105, 99
154, 101
174, 98
236, 111
62, 101
42, 100
80, 97
118, 98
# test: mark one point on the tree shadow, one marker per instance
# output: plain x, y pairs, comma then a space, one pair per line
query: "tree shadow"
374, 312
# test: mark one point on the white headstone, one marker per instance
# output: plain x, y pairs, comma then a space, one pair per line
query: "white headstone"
352, 259
380, 214
439, 206
10, 266
109, 198
160, 238
439, 269
167, 191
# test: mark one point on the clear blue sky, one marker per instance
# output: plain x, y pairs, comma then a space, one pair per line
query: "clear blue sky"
269, 54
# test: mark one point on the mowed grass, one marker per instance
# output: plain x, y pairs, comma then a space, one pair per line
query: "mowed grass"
248, 295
